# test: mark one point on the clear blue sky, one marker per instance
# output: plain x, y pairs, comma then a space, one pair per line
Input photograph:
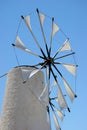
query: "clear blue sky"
71, 16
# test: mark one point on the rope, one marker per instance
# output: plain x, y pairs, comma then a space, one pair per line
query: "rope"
76, 70
18, 28
3, 75
16, 56
64, 33
14, 41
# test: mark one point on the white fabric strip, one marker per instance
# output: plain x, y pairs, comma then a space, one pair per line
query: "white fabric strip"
69, 90
71, 68
27, 21
59, 113
44, 97
65, 46
21, 45
55, 29
42, 17
61, 100
26, 73
56, 122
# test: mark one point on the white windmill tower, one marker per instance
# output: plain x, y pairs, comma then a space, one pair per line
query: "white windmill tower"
35, 94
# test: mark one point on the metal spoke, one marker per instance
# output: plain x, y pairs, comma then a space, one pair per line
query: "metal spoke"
29, 51
42, 32
58, 71
52, 107
35, 40
39, 64
64, 63
64, 56
55, 77
54, 98
62, 77
51, 37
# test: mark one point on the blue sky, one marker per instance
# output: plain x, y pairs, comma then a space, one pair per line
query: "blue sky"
71, 16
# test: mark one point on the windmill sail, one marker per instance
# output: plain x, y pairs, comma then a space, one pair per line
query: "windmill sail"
42, 17
55, 29
65, 46
71, 68
61, 100
69, 90
26, 73
56, 122
34, 72
21, 46
44, 97
59, 113
27, 21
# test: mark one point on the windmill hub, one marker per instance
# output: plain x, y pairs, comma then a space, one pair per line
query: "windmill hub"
49, 61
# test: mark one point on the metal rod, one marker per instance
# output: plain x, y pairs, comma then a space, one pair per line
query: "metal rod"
37, 43
51, 37
43, 32
64, 56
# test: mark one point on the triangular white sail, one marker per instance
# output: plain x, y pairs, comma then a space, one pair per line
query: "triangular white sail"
59, 113
20, 45
71, 68
65, 46
34, 72
42, 17
61, 100
56, 122
55, 28
26, 73
27, 21
69, 90
44, 97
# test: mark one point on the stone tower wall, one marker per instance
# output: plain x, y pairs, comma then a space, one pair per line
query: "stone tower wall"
21, 108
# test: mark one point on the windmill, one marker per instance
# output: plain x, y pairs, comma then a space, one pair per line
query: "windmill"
55, 60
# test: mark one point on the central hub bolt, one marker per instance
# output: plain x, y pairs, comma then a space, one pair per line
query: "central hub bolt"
49, 60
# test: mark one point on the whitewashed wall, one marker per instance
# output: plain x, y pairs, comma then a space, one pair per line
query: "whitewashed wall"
21, 108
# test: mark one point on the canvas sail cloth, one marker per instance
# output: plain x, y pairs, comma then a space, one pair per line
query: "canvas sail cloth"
21, 109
